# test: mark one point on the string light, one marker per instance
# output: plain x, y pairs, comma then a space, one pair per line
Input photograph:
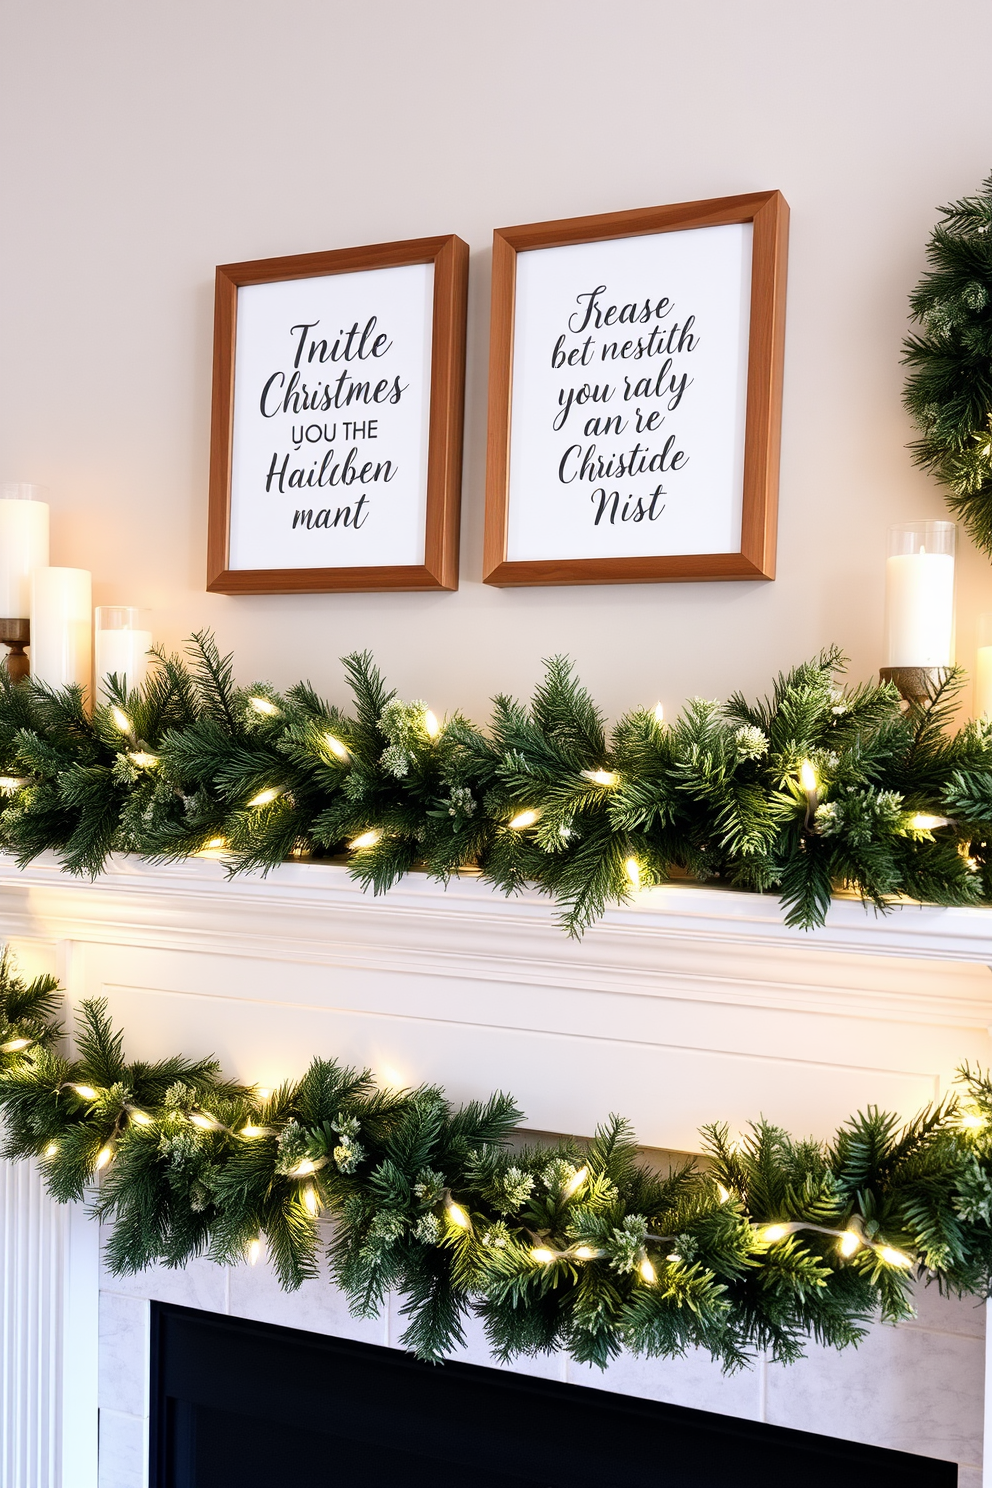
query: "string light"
214, 844
262, 1094
310, 1198
585, 1253
264, 706
892, 1256
205, 1121
632, 868
143, 759
140, 1118
303, 1168
253, 1131
266, 797
774, 1232
575, 1183
11, 783
807, 777
647, 1271
458, 1215
849, 1242
972, 1121
336, 747
365, 839
122, 723
924, 822
542, 1254
431, 726
12, 1046
52, 1149
86, 1092
254, 1250
600, 777
523, 819
659, 713
103, 1157
673, 1256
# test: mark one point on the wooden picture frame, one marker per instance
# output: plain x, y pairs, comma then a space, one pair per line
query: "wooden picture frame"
765, 216
244, 496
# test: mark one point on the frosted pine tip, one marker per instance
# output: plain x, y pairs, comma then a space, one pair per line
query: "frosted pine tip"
523, 819
365, 839
265, 797
542, 1254
265, 706
600, 777
336, 747
121, 721
431, 726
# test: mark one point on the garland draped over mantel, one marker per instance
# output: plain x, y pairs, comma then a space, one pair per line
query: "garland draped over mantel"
563, 1246
813, 788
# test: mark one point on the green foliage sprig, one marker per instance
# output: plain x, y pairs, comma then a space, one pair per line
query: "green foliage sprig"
812, 789
570, 1245
949, 387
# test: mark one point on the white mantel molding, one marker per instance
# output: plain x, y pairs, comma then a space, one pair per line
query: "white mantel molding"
704, 942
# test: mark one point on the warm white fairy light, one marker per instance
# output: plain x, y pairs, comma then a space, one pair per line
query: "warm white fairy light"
85, 1092
457, 1215
11, 783
585, 1253
604, 778
575, 1183
632, 868
265, 706
431, 726
266, 797
892, 1256
303, 1168
52, 1149
122, 722
310, 1199
659, 713
523, 819
103, 1157
972, 1121
774, 1232
647, 1271
205, 1121
253, 1131
13, 1046
143, 759
849, 1242
365, 839
807, 777
254, 1251
140, 1118
924, 822
335, 746
542, 1254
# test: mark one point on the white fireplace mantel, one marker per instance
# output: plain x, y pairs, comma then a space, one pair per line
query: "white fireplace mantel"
691, 1004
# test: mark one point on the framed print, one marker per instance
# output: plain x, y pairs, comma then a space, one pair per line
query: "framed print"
336, 437
635, 390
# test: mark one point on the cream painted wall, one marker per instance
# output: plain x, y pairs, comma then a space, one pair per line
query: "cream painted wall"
143, 144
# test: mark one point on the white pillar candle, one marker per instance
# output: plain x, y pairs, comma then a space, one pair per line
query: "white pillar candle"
983, 682
919, 590
122, 652
23, 547
61, 626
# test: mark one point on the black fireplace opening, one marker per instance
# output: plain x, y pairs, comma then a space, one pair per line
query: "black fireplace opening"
238, 1404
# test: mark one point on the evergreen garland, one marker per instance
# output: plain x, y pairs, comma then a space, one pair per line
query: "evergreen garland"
949, 388
812, 789
561, 1246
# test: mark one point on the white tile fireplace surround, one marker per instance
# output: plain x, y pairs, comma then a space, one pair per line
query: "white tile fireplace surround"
692, 1004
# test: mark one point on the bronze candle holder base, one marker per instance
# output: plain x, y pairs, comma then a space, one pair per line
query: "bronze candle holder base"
16, 634
917, 684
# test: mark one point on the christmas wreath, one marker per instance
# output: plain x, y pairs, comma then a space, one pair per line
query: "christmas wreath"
949, 387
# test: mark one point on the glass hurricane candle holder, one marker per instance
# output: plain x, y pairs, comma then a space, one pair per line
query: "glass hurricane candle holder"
919, 606
23, 548
121, 645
